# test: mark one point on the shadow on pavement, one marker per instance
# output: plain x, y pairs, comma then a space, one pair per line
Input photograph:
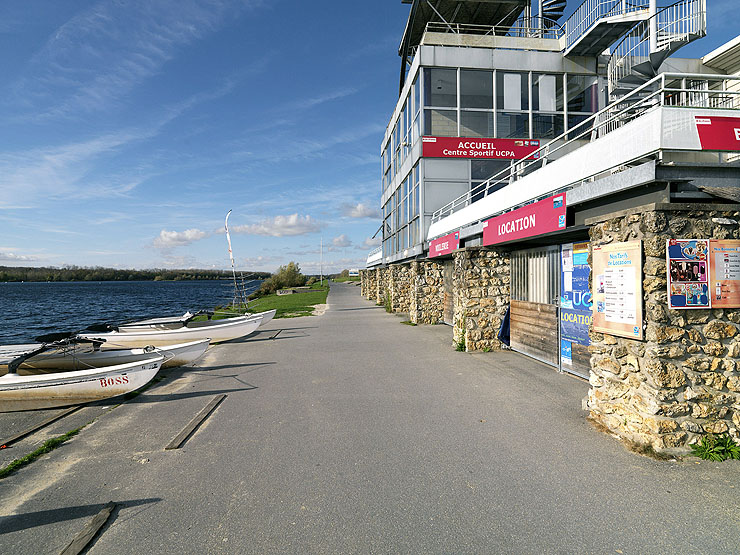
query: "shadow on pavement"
25, 521
177, 396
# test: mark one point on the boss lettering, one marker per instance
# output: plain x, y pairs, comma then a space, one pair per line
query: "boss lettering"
110, 382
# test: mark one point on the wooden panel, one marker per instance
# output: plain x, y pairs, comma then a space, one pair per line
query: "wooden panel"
534, 330
581, 361
448, 315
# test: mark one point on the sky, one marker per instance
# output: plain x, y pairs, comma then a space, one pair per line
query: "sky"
129, 128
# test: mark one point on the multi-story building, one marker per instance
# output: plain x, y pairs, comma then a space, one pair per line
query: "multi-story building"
571, 188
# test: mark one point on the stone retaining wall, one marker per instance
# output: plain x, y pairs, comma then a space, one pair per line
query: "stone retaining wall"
683, 381
481, 283
426, 303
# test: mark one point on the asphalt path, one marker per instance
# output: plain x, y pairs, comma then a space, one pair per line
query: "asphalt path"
352, 433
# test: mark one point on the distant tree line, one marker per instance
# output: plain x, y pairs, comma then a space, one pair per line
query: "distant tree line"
97, 273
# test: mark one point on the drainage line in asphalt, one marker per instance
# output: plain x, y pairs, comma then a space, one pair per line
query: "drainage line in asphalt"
8, 442
182, 437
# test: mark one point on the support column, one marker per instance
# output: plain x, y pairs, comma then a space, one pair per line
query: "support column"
426, 304
481, 283
683, 380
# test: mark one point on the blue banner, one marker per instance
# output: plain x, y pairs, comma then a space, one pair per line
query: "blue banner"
575, 296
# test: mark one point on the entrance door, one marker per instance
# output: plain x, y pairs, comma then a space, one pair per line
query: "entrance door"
448, 314
535, 289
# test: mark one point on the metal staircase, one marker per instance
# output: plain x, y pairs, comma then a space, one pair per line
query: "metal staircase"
638, 57
597, 24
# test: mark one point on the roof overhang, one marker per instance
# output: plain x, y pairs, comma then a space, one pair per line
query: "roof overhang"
726, 57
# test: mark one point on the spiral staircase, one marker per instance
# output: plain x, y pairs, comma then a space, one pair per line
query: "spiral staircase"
638, 56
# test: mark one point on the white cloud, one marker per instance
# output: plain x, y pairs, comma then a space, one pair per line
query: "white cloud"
169, 239
12, 257
369, 243
342, 241
282, 226
360, 210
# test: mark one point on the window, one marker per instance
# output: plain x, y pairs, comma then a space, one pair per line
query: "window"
440, 123
512, 91
476, 124
512, 125
440, 87
476, 89
482, 170
583, 95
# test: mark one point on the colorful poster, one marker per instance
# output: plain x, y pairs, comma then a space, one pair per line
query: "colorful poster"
444, 245
687, 265
463, 147
724, 273
545, 216
566, 352
575, 298
718, 133
617, 299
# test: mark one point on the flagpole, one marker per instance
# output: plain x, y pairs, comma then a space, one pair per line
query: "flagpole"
321, 261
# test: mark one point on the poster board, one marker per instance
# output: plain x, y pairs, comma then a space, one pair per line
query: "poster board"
703, 273
687, 265
724, 273
617, 286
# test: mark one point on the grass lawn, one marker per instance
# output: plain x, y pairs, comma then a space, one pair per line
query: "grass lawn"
287, 306
341, 279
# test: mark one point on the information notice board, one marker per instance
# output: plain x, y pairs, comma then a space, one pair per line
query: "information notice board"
703, 273
617, 285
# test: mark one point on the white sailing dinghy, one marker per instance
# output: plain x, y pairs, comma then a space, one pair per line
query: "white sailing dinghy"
215, 330
45, 391
186, 320
66, 356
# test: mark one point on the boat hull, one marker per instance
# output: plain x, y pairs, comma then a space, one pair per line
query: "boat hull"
217, 331
83, 357
19, 393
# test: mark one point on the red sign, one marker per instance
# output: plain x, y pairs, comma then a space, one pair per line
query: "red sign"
537, 218
718, 133
462, 147
444, 245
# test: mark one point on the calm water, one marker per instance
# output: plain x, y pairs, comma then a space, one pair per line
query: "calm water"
32, 309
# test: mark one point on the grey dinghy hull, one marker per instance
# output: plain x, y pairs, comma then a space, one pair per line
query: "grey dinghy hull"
81, 356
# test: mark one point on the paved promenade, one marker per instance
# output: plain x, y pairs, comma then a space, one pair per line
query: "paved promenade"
352, 433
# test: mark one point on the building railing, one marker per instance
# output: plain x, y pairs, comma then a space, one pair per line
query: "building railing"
532, 27
590, 11
667, 89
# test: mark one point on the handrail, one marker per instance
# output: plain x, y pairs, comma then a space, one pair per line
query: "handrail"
628, 108
532, 27
590, 11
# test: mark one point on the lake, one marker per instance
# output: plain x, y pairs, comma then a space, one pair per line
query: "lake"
33, 309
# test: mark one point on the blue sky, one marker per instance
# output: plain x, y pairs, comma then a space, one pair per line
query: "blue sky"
128, 129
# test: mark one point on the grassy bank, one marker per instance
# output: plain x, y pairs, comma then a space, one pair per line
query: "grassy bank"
343, 279
287, 306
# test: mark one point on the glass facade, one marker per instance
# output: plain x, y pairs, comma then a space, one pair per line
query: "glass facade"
456, 102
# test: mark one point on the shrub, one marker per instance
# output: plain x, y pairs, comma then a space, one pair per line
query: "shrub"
287, 276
